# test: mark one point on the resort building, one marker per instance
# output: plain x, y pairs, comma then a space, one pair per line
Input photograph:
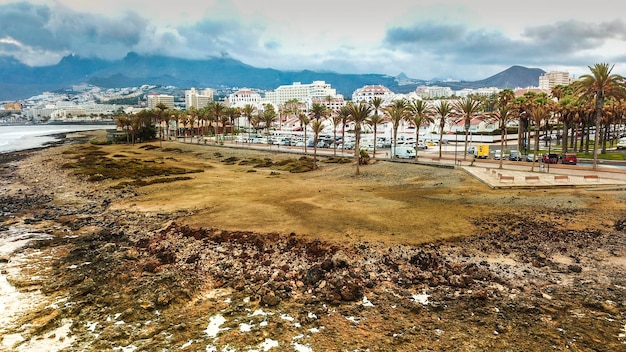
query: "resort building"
196, 99
155, 99
300, 92
244, 97
483, 92
368, 93
552, 79
433, 92
333, 103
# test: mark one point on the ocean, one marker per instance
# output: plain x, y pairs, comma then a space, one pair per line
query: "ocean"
23, 137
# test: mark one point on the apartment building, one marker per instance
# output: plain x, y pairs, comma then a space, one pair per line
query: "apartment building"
300, 92
368, 93
243, 97
198, 99
155, 99
552, 79
433, 92
334, 103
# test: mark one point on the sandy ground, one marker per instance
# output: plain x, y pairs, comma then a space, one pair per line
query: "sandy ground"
407, 239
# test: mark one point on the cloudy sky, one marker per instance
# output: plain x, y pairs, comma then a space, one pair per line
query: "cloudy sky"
455, 39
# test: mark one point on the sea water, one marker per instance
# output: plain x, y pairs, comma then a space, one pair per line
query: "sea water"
16, 138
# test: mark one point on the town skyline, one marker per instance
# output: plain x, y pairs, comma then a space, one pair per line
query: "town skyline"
429, 40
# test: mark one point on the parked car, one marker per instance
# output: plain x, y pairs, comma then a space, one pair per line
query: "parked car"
569, 158
497, 154
551, 158
515, 155
530, 157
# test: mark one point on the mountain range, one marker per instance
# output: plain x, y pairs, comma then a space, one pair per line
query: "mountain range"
19, 81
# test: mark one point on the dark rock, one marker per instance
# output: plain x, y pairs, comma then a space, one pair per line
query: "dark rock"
270, 300
574, 268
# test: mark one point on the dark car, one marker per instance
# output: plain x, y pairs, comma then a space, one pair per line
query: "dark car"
569, 158
515, 155
551, 158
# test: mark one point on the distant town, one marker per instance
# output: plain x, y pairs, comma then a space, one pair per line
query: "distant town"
90, 104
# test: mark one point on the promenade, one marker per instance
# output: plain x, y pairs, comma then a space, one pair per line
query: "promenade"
513, 174
518, 174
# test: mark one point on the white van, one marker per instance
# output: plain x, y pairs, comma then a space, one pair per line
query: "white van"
403, 151
621, 144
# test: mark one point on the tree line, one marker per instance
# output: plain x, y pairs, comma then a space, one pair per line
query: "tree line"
593, 103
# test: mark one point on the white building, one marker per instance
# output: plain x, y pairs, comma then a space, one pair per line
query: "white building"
483, 92
244, 97
552, 79
300, 92
155, 99
196, 99
334, 103
368, 93
433, 92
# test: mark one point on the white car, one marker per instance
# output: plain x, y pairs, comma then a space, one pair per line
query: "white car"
497, 154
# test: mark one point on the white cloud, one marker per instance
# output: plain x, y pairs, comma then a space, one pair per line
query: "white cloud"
425, 39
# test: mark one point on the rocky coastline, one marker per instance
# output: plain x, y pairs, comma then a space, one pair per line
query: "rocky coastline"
121, 279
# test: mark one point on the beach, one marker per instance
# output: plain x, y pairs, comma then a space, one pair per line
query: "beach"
172, 246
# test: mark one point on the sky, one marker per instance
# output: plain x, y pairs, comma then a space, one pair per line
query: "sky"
449, 39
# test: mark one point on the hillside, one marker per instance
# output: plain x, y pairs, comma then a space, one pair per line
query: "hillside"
19, 81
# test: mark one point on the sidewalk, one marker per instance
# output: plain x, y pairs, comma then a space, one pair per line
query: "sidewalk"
518, 174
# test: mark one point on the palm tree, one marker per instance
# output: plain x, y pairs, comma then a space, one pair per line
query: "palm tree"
374, 121
538, 113
216, 110
468, 107
317, 126
503, 115
233, 113
224, 120
248, 111
418, 113
123, 121
358, 114
397, 113
304, 121
336, 120
191, 120
269, 116
601, 83
443, 110
317, 111
344, 115
160, 112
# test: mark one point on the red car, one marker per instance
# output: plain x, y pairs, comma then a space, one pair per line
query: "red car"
569, 158
551, 158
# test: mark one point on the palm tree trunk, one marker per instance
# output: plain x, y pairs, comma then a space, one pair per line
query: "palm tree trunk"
502, 147
374, 156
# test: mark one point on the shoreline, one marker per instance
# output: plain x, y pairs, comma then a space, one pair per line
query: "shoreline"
131, 277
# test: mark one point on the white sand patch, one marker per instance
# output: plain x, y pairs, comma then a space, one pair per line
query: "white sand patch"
421, 298
214, 325
286, 317
243, 327
268, 344
302, 348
